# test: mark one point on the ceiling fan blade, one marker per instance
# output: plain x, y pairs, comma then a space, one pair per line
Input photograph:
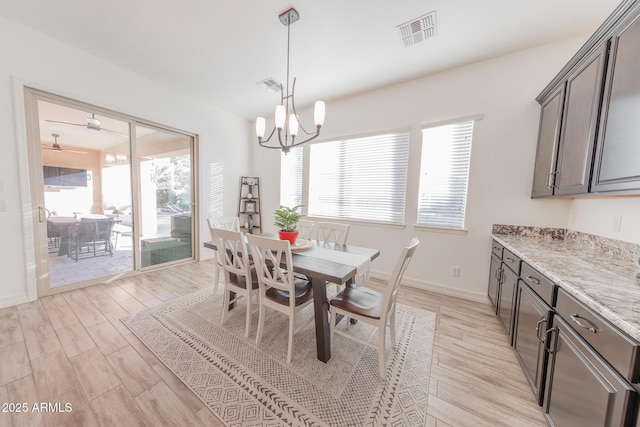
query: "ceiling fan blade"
67, 123
115, 132
61, 149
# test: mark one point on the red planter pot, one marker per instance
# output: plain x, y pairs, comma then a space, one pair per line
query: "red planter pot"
291, 236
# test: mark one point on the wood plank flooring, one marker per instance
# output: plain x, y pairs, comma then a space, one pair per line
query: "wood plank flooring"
72, 348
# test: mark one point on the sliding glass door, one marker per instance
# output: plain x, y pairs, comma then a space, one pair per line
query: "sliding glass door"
166, 193
113, 195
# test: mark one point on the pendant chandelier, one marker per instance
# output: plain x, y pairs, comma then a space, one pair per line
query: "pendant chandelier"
287, 125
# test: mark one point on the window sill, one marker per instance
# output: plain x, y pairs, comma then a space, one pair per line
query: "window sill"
429, 229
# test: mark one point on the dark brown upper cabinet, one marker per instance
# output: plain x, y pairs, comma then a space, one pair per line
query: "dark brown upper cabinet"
568, 129
617, 162
589, 134
548, 138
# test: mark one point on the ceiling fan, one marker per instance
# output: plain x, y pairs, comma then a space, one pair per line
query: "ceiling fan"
55, 147
91, 124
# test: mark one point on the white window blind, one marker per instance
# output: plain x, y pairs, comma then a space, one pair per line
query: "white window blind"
444, 174
361, 179
291, 177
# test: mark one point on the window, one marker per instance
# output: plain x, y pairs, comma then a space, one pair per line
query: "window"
291, 177
444, 173
360, 179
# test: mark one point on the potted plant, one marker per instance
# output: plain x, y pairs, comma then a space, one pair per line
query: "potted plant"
286, 219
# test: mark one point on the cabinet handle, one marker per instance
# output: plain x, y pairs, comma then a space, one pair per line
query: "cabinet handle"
576, 318
510, 260
554, 334
549, 185
533, 280
540, 322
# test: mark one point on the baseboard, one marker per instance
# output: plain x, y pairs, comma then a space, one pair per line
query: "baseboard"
14, 300
435, 287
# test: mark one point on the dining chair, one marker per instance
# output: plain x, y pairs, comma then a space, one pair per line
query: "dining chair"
280, 289
239, 277
306, 229
90, 233
375, 308
333, 232
231, 223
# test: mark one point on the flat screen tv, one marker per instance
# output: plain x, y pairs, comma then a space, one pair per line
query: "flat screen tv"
64, 177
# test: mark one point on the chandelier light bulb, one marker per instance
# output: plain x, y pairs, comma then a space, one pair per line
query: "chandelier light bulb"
318, 113
260, 127
281, 114
293, 125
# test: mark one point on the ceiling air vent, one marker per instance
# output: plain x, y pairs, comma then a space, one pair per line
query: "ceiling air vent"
270, 85
418, 30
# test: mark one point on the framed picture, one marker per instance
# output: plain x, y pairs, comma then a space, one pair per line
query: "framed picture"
250, 206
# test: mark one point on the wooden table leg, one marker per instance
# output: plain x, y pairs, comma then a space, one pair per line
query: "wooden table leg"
321, 309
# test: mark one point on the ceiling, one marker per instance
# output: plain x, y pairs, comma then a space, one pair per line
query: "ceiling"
218, 50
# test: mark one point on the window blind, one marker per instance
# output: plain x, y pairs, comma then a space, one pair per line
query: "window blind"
361, 178
444, 174
291, 177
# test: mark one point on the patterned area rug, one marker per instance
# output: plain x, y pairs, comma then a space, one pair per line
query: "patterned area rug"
245, 384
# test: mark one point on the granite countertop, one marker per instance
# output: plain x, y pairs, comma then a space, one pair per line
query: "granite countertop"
602, 276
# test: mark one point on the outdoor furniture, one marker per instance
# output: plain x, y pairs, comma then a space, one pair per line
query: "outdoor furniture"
92, 234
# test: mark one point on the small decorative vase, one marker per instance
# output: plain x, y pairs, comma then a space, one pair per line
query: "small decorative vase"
291, 236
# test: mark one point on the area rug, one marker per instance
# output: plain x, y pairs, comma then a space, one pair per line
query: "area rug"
248, 384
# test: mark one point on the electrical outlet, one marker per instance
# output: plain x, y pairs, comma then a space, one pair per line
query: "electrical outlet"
616, 224
455, 271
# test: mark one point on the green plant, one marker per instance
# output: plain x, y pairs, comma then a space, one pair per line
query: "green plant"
286, 219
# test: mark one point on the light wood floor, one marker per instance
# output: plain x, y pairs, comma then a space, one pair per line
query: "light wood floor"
72, 348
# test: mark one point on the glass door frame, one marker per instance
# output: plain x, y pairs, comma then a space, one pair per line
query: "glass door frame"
36, 185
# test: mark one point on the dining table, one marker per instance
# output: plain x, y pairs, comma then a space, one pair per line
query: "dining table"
324, 263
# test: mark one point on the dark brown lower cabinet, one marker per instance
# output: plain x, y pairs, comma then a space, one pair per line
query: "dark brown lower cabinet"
495, 277
507, 299
533, 320
581, 388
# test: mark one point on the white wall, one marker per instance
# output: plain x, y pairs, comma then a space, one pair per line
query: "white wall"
599, 217
502, 160
33, 59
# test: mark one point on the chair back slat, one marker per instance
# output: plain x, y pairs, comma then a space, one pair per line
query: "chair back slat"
231, 223
391, 292
273, 262
232, 251
333, 232
306, 229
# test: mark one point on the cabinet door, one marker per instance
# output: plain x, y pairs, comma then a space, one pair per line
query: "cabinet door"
582, 389
495, 275
506, 302
548, 137
579, 125
618, 152
529, 337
